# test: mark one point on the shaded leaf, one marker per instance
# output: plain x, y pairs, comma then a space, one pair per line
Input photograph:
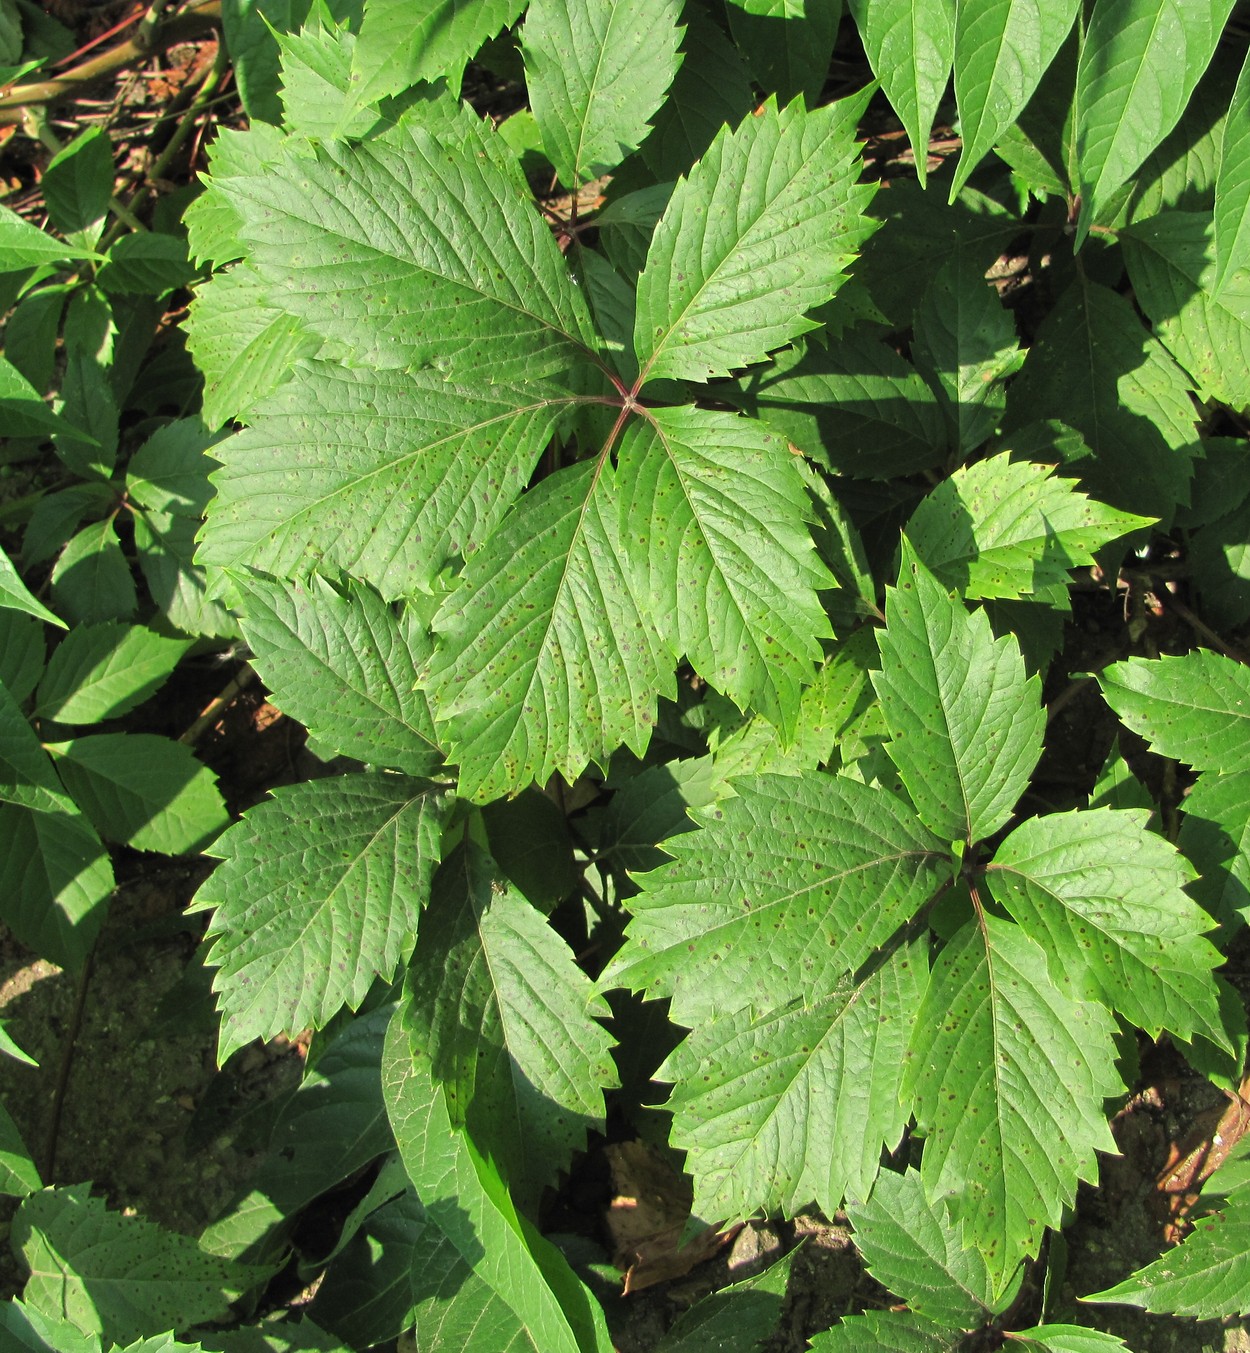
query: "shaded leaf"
102, 671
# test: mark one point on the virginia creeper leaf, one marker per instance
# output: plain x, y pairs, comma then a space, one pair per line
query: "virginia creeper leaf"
1232, 188
761, 230
910, 1246
26, 774
910, 45
103, 671
508, 1020
91, 581
788, 43
1215, 835
889, 1332
805, 876
965, 723
1009, 1074
403, 252
1093, 364
174, 806
774, 1110
23, 245
1195, 708
596, 73
1139, 65
1103, 897
386, 475
742, 1315
536, 1302
1171, 263
1002, 49
1004, 528
318, 895
345, 665
546, 659
1067, 1339
715, 525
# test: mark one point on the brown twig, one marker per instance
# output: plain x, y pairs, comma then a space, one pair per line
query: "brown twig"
212, 711
193, 21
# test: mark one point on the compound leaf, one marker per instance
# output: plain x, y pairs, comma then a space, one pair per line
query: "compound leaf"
1103, 897
16, 596
344, 664
1009, 1073
889, 1332
788, 43
777, 1109
319, 894
760, 232
1139, 64
1004, 528
1002, 49
546, 658
910, 45
509, 1022
1195, 708
965, 723
596, 73
798, 875
1215, 835
1232, 188
103, 671
715, 519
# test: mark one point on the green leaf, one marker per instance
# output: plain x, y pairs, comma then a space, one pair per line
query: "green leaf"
509, 1022
103, 671
414, 249
1002, 49
1194, 708
174, 806
1094, 365
910, 45
964, 343
401, 42
760, 232
805, 875
1067, 1339
529, 1296
319, 99
789, 43
546, 661
722, 555
1171, 263
1207, 1276
18, 1175
1232, 188
244, 343
909, 1245
91, 581
740, 1316
1139, 65
1004, 528
530, 841
386, 475
344, 664
151, 264
1103, 898
319, 894
26, 415
118, 1276
1215, 835
16, 596
23, 245
596, 73
34, 1332
26, 774
1009, 1075
776, 1109
853, 405
22, 653
965, 723
889, 1332
78, 182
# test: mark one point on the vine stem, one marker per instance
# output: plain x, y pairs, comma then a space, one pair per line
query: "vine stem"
63, 1071
209, 714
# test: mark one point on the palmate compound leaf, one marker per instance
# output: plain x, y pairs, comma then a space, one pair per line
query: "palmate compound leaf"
1139, 64
1002, 49
715, 528
318, 894
417, 248
965, 722
1195, 708
1103, 897
779, 1109
1004, 528
1207, 1276
344, 664
1008, 1073
1232, 187
788, 887
889, 1332
386, 475
910, 45
760, 231
510, 1023
596, 72
547, 659
531, 1299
